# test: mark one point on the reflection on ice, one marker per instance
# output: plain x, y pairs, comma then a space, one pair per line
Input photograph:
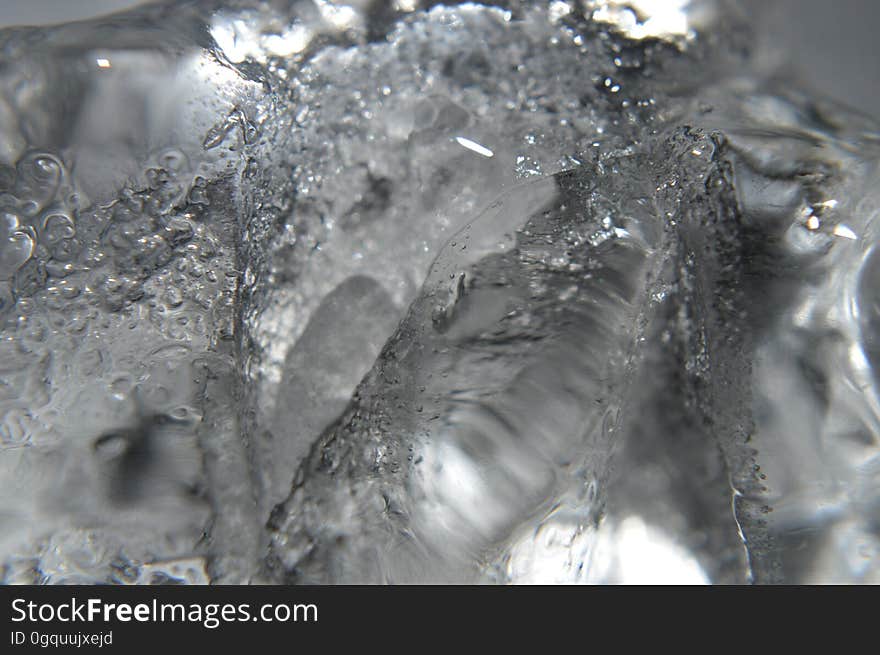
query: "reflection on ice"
395, 292
643, 19
631, 552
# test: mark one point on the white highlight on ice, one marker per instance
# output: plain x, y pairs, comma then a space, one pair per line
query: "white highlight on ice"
845, 232
642, 19
473, 146
290, 42
239, 40
627, 552
342, 17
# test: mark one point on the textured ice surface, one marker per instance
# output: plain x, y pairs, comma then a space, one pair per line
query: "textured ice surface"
303, 291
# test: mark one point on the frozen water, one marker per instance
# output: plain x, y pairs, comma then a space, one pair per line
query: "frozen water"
306, 291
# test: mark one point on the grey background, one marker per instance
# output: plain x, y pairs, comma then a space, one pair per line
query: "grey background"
39, 12
830, 44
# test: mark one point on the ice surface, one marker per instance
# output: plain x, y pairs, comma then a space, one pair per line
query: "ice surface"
306, 291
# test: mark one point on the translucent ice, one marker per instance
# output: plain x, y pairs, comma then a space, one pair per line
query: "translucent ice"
392, 292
